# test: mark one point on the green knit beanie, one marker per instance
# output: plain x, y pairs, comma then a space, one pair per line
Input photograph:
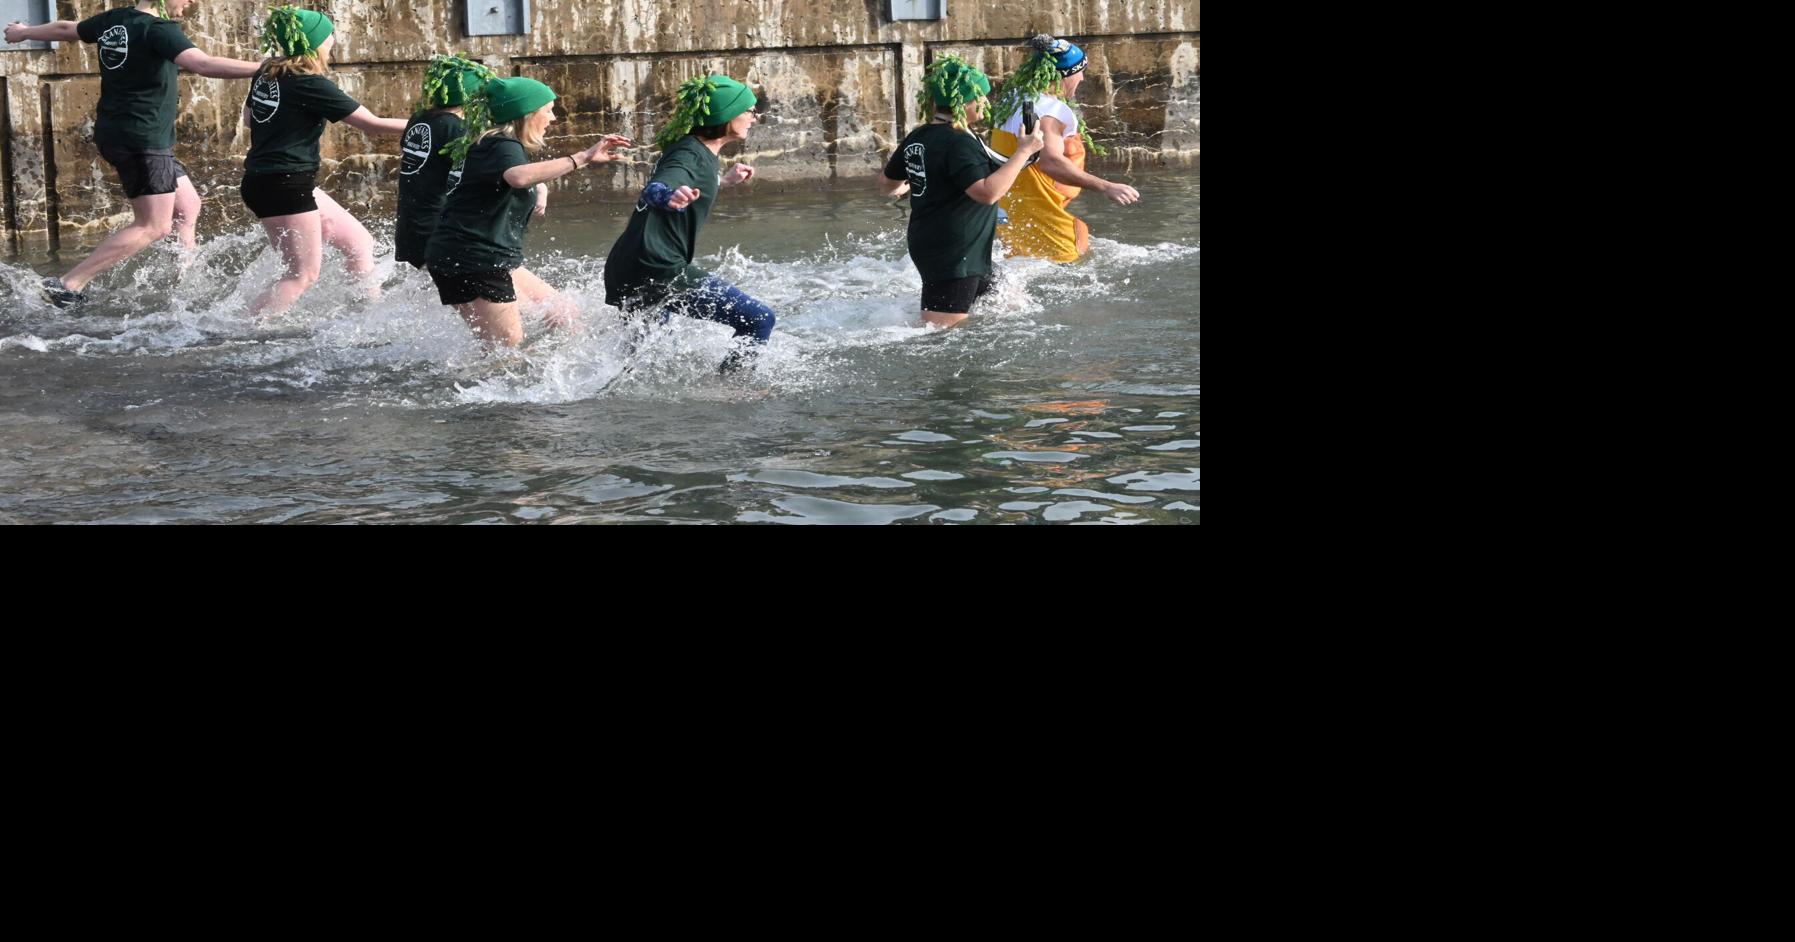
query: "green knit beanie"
950, 84
703, 102
511, 98
449, 81
295, 32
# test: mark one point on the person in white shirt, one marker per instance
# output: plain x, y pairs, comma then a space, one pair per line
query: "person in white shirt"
1040, 223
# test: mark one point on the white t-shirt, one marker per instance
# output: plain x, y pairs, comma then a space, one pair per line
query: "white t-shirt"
1046, 106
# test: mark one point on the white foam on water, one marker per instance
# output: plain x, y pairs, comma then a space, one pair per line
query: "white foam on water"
25, 342
857, 293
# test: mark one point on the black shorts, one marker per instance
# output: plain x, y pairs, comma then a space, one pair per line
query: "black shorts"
462, 287
145, 172
280, 194
954, 296
409, 247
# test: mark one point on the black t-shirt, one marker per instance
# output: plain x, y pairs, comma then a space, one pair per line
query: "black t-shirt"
950, 233
286, 120
425, 179
483, 222
139, 94
653, 257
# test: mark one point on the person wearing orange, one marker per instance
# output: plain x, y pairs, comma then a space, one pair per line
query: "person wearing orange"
1041, 224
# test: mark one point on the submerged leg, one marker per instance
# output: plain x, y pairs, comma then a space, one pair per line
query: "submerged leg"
302, 251
718, 300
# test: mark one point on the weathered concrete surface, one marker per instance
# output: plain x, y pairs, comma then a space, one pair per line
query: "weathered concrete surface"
840, 78
1139, 97
829, 113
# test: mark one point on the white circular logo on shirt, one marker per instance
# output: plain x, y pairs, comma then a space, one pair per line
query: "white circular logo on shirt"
915, 170
416, 148
115, 47
264, 100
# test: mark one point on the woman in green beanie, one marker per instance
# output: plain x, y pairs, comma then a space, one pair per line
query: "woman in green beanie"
476, 254
954, 186
426, 175
140, 48
289, 103
651, 262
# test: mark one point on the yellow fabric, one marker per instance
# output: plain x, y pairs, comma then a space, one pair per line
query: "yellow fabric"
1040, 224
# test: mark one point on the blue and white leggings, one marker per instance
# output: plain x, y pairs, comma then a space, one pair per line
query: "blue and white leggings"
717, 300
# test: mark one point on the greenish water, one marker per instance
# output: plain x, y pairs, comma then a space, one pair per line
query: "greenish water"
1075, 396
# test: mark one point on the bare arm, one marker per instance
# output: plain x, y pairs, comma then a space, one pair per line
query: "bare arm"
215, 66
891, 187
1061, 169
530, 176
526, 176
368, 122
61, 31
992, 188
738, 174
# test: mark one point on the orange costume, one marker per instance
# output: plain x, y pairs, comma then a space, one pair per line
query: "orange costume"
1041, 225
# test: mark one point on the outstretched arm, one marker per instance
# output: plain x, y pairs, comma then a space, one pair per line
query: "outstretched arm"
527, 176
61, 31
1060, 168
368, 122
215, 66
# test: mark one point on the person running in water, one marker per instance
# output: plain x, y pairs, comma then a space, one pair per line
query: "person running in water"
651, 263
476, 254
954, 186
288, 105
426, 173
141, 51
1041, 223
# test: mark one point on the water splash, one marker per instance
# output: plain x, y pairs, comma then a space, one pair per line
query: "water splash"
855, 295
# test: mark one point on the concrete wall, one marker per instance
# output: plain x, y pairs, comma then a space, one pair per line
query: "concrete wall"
840, 75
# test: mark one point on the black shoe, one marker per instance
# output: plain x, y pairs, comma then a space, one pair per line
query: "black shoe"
55, 292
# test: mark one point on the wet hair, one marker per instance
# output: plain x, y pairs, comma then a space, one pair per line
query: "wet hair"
712, 132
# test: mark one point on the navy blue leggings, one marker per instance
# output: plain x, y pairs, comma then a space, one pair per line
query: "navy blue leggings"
717, 300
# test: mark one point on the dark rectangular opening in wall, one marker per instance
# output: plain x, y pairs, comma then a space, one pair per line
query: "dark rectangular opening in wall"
52, 204
12, 207
904, 93
10, 195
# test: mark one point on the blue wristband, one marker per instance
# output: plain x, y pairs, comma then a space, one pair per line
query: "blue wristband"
658, 195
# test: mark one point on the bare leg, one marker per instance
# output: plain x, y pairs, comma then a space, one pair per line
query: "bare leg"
938, 319
492, 321
347, 235
301, 245
561, 313
187, 209
155, 219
